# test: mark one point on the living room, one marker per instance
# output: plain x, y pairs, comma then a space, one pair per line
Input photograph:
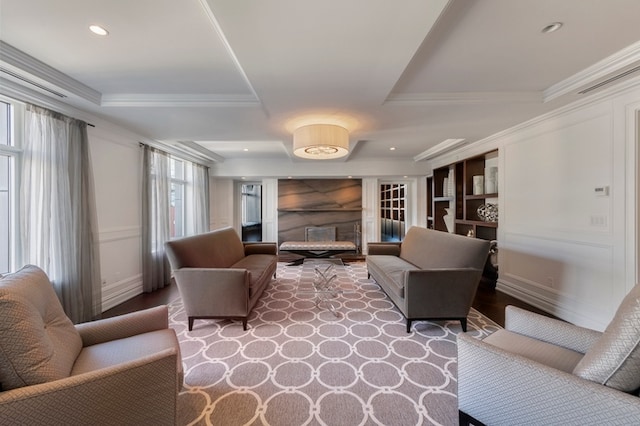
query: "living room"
567, 163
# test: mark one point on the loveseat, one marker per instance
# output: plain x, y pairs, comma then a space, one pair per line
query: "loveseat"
125, 370
430, 275
219, 276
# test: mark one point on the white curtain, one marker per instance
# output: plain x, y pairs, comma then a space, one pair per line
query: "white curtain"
198, 217
58, 214
156, 193
156, 209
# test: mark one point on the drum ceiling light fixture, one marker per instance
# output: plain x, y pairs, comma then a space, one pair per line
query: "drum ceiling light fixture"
321, 141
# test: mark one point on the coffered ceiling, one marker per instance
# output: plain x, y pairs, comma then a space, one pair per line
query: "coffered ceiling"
232, 79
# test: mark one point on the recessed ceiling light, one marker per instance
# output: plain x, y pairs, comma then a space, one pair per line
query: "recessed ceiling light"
552, 27
246, 149
97, 29
393, 148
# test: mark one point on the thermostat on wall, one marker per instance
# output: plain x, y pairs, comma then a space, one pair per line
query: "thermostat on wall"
602, 191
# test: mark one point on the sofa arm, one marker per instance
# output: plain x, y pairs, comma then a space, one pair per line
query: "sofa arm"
497, 387
140, 392
440, 293
550, 330
260, 248
389, 249
221, 290
123, 326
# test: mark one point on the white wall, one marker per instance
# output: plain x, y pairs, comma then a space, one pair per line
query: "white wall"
562, 247
117, 163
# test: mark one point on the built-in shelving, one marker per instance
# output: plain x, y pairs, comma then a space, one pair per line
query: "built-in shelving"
459, 197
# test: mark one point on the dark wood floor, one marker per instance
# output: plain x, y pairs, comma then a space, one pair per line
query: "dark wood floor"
489, 301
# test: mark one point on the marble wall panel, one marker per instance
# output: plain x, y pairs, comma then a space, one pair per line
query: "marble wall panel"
319, 202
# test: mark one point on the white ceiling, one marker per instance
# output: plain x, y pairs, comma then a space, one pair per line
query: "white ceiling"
237, 75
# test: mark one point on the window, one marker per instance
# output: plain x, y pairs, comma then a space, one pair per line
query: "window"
8, 154
177, 201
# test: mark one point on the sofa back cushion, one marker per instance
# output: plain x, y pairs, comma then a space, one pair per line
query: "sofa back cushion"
217, 249
614, 360
429, 249
38, 342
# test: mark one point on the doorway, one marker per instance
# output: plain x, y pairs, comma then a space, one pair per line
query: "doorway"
251, 205
393, 211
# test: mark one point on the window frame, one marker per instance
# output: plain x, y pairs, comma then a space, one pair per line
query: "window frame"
14, 152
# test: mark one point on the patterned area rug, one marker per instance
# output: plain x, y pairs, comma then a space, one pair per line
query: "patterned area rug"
300, 365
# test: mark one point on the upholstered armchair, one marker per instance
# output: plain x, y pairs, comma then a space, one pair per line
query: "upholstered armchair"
543, 371
125, 370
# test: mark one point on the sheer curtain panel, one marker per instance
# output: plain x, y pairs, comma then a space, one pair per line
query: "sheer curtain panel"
156, 187
200, 195
58, 214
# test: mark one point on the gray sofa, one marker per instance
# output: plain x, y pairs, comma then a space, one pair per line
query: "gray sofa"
125, 370
430, 275
219, 276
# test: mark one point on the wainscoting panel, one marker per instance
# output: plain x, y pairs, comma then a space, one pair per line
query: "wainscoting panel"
572, 280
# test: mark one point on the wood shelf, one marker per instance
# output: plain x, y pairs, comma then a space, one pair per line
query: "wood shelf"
481, 197
477, 223
358, 209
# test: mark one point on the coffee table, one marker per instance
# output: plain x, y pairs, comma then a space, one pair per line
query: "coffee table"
325, 279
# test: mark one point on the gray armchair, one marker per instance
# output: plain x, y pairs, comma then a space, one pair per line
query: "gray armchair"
543, 371
125, 370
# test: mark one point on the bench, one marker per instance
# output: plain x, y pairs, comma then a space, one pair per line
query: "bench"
319, 243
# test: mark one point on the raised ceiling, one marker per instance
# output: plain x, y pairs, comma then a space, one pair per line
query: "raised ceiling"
234, 78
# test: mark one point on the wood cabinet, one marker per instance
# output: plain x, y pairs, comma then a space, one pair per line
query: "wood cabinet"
460, 198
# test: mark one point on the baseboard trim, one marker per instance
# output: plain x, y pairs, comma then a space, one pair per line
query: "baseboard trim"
121, 291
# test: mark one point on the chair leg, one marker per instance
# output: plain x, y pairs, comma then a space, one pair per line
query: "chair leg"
466, 420
463, 323
244, 324
191, 319
409, 325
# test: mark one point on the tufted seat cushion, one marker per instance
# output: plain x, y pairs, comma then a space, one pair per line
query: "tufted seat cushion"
38, 342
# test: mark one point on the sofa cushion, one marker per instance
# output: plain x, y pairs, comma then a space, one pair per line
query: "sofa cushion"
430, 249
115, 352
259, 270
614, 360
536, 350
38, 342
392, 270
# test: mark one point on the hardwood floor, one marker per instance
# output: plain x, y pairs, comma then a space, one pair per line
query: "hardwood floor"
489, 301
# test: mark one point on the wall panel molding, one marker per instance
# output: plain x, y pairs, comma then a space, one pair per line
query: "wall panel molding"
119, 234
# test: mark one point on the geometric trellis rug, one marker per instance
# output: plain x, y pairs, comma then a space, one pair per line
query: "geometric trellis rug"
300, 365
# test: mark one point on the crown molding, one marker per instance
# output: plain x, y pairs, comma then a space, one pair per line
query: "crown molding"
178, 100
444, 146
439, 98
610, 65
51, 79
493, 141
196, 149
